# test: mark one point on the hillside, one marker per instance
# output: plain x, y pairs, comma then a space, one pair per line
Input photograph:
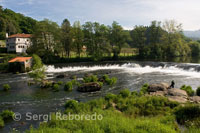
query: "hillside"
192, 34
11, 23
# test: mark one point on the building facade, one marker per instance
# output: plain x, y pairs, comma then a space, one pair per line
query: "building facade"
20, 64
18, 43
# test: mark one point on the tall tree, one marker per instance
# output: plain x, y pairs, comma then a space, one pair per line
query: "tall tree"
117, 38
66, 30
77, 37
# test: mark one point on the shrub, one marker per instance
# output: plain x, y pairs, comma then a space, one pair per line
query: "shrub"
125, 93
56, 87
6, 87
188, 89
92, 78
111, 81
68, 86
198, 91
1, 122
144, 89
110, 97
59, 82
188, 115
72, 104
7, 115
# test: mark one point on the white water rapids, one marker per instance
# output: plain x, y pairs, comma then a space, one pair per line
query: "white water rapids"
131, 68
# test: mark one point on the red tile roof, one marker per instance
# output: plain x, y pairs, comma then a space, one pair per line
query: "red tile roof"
20, 36
20, 59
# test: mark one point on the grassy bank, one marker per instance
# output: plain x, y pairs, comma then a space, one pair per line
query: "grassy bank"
126, 112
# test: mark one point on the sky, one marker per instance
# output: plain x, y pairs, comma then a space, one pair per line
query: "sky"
127, 13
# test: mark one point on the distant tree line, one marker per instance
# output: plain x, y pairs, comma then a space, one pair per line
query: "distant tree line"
157, 41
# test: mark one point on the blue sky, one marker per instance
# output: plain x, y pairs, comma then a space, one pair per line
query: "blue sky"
126, 12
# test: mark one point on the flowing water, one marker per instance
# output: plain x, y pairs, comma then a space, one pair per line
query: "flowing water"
23, 98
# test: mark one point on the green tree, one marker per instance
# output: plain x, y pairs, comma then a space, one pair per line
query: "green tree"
66, 36
77, 37
117, 38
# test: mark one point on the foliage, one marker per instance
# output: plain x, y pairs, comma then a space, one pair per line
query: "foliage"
115, 120
68, 86
12, 23
7, 115
188, 115
109, 81
125, 93
90, 78
38, 73
59, 82
56, 87
198, 91
159, 42
1, 122
6, 87
188, 89
144, 88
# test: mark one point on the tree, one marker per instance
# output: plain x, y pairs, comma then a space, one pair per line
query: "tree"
66, 36
117, 38
38, 73
138, 35
77, 37
46, 40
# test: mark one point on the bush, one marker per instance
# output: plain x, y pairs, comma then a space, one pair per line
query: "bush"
56, 87
6, 87
125, 93
188, 115
59, 82
144, 89
68, 86
109, 81
110, 97
198, 91
188, 89
7, 115
71, 104
1, 122
88, 79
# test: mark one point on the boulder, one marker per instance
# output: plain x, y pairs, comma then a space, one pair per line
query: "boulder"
158, 93
178, 99
158, 87
195, 99
177, 92
89, 87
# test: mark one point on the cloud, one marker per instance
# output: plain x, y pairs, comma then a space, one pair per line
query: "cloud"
127, 12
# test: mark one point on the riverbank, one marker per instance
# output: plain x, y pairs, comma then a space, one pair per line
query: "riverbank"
125, 112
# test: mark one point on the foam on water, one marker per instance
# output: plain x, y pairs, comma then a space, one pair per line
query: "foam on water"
131, 68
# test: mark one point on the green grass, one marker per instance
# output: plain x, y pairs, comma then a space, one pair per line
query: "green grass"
123, 113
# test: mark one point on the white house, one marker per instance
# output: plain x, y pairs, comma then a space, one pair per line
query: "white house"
18, 43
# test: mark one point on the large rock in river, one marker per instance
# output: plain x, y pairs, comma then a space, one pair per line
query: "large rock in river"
177, 92
158, 87
89, 87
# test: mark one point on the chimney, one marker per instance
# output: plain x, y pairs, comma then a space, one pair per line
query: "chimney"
6, 35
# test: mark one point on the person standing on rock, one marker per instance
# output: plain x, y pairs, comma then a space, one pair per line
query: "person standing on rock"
172, 84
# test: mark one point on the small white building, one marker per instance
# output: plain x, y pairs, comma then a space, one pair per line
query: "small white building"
18, 43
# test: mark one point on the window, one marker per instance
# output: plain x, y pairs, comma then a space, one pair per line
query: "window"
18, 46
27, 40
18, 39
23, 46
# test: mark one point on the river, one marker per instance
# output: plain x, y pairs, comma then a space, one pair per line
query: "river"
23, 98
